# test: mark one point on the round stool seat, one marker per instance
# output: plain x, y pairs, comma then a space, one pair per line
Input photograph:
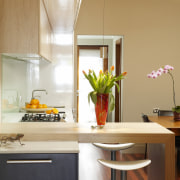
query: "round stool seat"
125, 165
114, 147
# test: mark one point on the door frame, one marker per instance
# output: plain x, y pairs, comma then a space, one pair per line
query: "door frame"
118, 95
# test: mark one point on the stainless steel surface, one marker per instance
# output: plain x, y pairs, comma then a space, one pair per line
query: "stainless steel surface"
57, 106
38, 90
28, 161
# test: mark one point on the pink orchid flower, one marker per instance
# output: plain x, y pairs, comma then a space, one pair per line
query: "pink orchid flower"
149, 75
166, 70
159, 73
160, 70
154, 76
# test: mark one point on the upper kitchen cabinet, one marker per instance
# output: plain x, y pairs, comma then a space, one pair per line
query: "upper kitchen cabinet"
25, 28
45, 31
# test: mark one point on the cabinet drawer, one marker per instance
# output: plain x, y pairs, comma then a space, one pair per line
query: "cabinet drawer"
39, 166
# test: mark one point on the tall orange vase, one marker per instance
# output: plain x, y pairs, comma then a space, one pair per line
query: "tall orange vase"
101, 109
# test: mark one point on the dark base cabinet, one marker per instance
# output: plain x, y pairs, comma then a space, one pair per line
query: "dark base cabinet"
39, 166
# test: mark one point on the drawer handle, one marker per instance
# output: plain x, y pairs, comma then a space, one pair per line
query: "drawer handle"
28, 161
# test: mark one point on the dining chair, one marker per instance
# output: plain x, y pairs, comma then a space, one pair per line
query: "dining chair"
145, 119
125, 166
165, 113
113, 148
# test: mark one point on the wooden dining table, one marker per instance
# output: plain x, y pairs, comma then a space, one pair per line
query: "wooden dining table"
168, 122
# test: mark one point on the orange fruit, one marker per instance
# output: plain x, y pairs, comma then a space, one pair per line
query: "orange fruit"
39, 106
28, 106
34, 101
48, 112
55, 111
44, 105
33, 106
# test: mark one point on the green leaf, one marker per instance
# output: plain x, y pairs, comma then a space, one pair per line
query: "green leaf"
176, 109
93, 96
102, 89
109, 86
92, 82
117, 85
120, 77
89, 96
111, 103
95, 77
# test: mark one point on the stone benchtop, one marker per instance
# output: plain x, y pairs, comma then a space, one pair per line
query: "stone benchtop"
40, 147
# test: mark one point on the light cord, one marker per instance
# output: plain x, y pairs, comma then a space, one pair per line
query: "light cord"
103, 21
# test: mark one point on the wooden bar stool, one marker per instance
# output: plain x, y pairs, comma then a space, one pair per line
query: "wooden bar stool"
113, 148
125, 166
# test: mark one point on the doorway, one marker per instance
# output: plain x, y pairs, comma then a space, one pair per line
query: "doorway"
115, 57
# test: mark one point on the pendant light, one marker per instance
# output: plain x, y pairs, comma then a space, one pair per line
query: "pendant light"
103, 49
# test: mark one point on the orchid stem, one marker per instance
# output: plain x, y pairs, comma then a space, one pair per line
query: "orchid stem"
173, 89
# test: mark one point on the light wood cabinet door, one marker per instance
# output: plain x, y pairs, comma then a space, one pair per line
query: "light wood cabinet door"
46, 35
25, 28
19, 26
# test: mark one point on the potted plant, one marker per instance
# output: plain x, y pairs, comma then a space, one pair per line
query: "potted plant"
167, 70
102, 95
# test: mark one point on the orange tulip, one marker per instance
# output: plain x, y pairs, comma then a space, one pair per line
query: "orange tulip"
124, 73
112, 68
100, 72
84, 72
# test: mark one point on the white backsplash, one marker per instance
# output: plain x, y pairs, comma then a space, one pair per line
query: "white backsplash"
20, 78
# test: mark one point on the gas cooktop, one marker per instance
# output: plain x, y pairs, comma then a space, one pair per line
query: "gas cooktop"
42, 117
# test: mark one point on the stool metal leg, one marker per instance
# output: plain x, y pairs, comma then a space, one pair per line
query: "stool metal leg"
113, 171
123, 175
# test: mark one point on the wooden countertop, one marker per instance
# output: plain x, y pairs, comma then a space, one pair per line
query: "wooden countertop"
82, 132
40, 147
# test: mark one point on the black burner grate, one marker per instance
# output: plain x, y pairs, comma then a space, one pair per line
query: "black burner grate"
42, 117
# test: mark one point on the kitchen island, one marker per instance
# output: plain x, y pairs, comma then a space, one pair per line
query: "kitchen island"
39, 160
112, 133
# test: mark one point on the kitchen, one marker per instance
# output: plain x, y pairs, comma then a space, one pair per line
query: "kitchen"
25, 70
141, 34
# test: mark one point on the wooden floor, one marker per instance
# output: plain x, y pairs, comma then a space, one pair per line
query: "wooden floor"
90, 169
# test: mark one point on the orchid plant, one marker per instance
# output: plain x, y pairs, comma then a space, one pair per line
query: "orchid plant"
166, 70
103, 83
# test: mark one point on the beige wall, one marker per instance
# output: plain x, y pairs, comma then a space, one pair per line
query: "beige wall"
151, 32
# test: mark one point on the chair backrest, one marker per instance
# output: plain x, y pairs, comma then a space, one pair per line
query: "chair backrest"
165, 113
145, 118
